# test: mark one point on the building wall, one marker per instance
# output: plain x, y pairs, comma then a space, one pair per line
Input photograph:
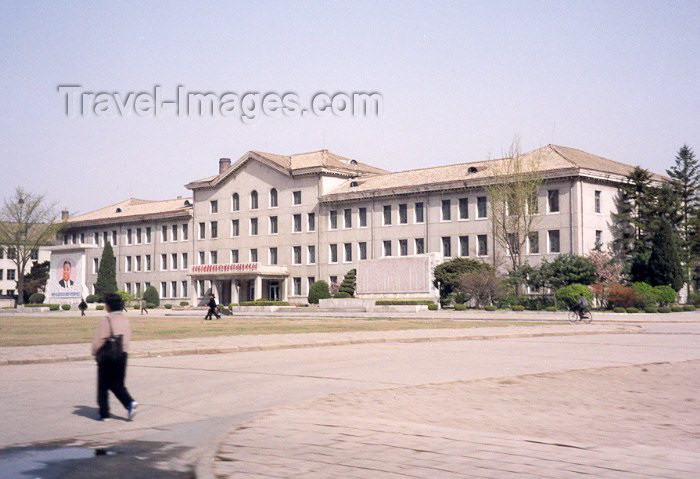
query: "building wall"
7, 265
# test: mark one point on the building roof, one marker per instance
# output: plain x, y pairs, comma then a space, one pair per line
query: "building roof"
134, 209
322, 160
550, 159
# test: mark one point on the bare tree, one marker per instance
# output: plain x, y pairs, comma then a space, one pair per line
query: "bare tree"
513, 196
27, 222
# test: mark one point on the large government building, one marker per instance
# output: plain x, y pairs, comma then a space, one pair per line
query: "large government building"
268, 225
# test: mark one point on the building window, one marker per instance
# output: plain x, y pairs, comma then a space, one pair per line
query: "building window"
95, 240
254, 255
464, 245
95, 265
296, 254
235, 228
127, 267
105, 239
333, 249
127, 287
183, 289
273, 198
403, 247
362, 250
234, 256
533, 242
533, 205
185, 231
138, 263
347, 218
553, 201
214, 255
253, 226
148, 262
184, 261
11, 274
114, 238
164, 233
297, 197
419, 212
483, 245
420, 246
598, 239
387, 247
348, 252
138, 236
362, 217
597, 201
446, 246
128, 236
554, 246
213, 207
202, 258
1, 276
273, 225
273, 256
311, 221
333, 219
174, 230
297, 286
446, 210
403, 214
202, 230
163, 262
309, 281
148, 235
214, 229
163, 289
333, 280
464, 208
311, 254
235, 202
173, 261
387, 214
481, 211
173, 289
253, 200
297, 223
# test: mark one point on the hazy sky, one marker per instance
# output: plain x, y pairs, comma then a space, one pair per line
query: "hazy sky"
458, 80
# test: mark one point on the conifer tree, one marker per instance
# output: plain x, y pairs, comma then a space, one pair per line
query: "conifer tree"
348, 284
664, 262
107, 274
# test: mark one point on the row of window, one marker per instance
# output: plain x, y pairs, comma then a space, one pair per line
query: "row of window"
172, 289
168, 262
254, 226
9, 292
12, 253
11, 274
254, 201
131, 236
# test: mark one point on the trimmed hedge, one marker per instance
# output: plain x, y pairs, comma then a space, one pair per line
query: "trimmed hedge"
91, 298
550, 308
34, 305
619, 309
168, 306
342, 295
403, 302
265, 302
632, 310
150, 306
187, 303
460, 307
651, 309
65, 307
100, 307
490, 308
136, 307
677, 309
232, 305
688, 307
432, 307
665, 309
37, 298
54, 307
518, 307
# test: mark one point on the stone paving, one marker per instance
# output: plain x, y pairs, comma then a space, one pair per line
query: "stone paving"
629, 421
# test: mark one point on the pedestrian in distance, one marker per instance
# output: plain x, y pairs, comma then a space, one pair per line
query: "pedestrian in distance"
143, 307
82, 307
110, 347
212, 309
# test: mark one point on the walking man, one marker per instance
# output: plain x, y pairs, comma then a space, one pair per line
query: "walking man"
212, 309
111, 372
82, 306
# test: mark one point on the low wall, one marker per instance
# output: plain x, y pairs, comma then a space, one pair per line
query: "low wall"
399, 308
369, 306
7, 303
262, 309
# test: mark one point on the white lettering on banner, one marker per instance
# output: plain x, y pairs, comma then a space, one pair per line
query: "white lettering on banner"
224, 268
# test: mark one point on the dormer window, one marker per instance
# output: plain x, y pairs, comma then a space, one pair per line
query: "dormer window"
119, 210
354, 184
353, 162
472, 169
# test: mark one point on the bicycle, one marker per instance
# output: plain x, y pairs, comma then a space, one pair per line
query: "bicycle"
587, 316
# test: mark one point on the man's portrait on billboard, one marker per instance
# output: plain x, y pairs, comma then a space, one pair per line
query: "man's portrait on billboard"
65, 281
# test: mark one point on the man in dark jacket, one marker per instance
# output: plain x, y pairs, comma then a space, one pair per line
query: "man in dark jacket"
212, 309
82, 307
581, 306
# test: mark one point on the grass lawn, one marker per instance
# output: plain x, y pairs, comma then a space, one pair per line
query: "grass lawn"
61, 329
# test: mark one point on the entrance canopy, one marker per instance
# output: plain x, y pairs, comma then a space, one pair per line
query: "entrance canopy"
236, 282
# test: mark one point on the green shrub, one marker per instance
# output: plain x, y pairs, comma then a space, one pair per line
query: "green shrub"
651, 309
168, 306
665, 309
688, 307
232, 305
665, 295
460, 307
220, 306
33, 305
54, 307
550, 308
342, 295
490, 308
100, 307
150, 296
264, 302
150, 306
65, 307
348, 284
318, 290
127, 297
677, 309
136, 307
694, 299
91, 298
644, 294
518, 307
619, 309
432, 307
632, 310
37, 298
569, 294
403, 302
186, 303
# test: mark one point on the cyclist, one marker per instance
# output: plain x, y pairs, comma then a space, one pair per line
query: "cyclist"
581, 306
